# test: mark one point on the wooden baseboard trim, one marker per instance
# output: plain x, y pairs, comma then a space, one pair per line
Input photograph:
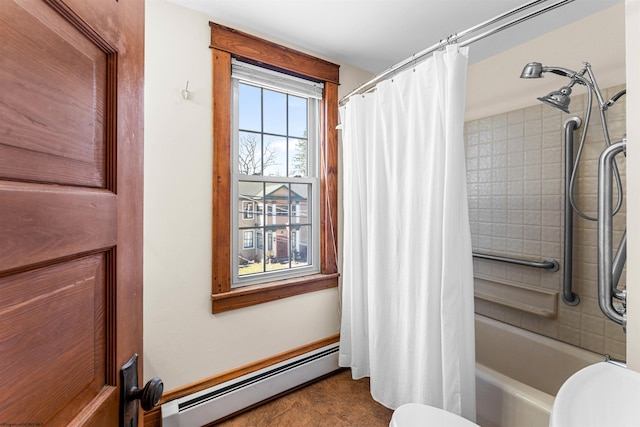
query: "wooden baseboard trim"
153, 418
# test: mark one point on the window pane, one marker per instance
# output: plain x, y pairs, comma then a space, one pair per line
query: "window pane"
278, 256
250, 204
250, 251
249, 153
275, 156
249, 107
298, 157
297, 116
300, 243
248, 239
300, 209
275, 112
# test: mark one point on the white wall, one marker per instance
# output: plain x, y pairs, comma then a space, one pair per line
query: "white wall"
183, 341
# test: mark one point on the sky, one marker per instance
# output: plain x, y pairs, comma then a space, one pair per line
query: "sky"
281, 118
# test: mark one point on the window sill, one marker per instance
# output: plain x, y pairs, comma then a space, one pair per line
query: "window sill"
247, 296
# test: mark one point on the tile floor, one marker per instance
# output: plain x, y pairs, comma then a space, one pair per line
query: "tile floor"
334, 401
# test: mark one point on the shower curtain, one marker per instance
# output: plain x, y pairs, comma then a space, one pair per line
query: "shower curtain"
407, 303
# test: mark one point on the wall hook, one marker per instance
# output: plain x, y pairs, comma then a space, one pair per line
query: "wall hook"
185, 92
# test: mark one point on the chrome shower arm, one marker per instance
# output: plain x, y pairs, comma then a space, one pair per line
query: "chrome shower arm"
565, 72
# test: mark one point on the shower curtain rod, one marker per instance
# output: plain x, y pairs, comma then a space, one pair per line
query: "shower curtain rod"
455, 37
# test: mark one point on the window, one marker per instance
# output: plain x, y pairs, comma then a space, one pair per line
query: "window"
275, 171
247, 210
275, 136
247, 240
269, 241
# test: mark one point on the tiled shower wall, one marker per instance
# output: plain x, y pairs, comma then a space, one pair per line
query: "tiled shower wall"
515, 183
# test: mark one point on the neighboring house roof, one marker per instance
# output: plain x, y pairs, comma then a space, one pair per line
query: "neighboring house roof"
277, 191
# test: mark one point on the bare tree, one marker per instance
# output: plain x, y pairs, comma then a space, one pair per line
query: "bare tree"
299, 158
251, 158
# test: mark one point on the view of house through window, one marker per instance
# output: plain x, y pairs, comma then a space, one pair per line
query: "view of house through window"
275, 133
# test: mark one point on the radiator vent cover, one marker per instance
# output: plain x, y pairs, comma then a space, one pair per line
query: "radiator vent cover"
224, 399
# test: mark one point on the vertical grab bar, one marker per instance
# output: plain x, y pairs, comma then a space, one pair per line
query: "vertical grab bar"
605, 237
568, 296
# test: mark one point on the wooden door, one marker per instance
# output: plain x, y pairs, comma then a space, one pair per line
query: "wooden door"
71, 97
282, 248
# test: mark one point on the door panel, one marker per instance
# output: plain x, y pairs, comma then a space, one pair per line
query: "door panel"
40, 223
61, 338
71, 79
56, 105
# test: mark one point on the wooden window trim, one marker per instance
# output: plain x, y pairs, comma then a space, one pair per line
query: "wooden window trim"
227, 43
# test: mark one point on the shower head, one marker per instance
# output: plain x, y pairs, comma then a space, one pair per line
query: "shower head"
559, 99
533, 70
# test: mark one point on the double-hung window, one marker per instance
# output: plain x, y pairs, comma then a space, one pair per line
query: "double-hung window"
275, 134
275, 165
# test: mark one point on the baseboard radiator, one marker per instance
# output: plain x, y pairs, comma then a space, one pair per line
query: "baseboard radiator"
224, 399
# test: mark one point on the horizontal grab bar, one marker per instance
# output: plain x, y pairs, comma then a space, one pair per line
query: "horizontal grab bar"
548, 264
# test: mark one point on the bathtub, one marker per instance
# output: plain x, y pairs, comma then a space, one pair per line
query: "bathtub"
518, 373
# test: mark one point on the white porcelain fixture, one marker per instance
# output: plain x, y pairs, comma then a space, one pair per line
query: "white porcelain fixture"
417, 415
600, 395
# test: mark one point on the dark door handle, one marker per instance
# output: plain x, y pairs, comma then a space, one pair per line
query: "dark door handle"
130, 393
149, 395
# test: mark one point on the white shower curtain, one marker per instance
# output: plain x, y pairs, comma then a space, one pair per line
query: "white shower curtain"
407, 313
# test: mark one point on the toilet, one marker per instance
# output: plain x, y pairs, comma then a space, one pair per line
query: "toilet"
418, 415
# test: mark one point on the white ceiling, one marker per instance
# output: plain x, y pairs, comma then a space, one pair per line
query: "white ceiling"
375, 34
